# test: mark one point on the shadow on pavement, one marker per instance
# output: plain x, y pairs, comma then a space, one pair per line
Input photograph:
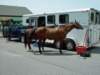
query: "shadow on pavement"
1, 36
95, 50
58, 54
13, 40
53, 53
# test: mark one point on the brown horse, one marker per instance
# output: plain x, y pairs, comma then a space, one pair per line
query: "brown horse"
57, 34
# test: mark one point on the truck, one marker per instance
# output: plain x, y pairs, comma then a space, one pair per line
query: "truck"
89, 18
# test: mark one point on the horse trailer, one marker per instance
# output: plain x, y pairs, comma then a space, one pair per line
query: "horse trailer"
88, 18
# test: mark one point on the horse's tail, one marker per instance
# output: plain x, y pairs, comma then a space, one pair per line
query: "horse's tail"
25, 39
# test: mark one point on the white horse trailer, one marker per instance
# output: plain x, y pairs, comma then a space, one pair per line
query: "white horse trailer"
88, 18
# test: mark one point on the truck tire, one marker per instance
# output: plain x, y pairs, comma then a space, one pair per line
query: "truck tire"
21, 39
9, 38
70, 44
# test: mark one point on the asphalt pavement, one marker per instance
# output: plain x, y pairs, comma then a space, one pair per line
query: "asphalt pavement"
16, 60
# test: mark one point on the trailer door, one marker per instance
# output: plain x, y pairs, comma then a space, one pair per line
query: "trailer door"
94, 34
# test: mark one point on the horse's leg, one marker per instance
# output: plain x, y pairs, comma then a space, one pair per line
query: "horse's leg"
25, 39
29, 44
39, 46
43, 43
60, 48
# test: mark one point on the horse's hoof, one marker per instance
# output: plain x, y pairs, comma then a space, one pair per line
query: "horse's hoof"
43, 50
40, 52
61, 53
30, 50
33, 52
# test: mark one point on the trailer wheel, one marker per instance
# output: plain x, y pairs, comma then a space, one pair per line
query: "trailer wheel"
70, 45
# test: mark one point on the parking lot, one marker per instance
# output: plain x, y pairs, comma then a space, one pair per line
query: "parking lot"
16, 60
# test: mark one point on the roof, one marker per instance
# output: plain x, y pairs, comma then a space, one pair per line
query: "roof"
6, 10
62, 12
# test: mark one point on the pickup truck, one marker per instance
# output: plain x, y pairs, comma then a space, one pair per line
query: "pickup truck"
16, 31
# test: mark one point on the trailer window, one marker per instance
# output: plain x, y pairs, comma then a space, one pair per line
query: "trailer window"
27, 20
99, 18
97, 21
41, 21
32, 20
64, 18
51, 19
92, 17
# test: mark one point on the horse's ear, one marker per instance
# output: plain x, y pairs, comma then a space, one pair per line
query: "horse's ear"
75, 21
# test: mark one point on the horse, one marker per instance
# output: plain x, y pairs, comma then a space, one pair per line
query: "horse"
29, 35
57, 34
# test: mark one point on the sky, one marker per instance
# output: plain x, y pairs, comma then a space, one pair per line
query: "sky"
45, 6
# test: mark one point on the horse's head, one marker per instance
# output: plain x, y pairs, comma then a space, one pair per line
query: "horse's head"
77, 25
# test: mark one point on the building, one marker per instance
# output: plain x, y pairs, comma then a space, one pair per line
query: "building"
12, 14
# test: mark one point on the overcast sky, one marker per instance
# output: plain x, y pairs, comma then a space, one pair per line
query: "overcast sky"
44, 6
